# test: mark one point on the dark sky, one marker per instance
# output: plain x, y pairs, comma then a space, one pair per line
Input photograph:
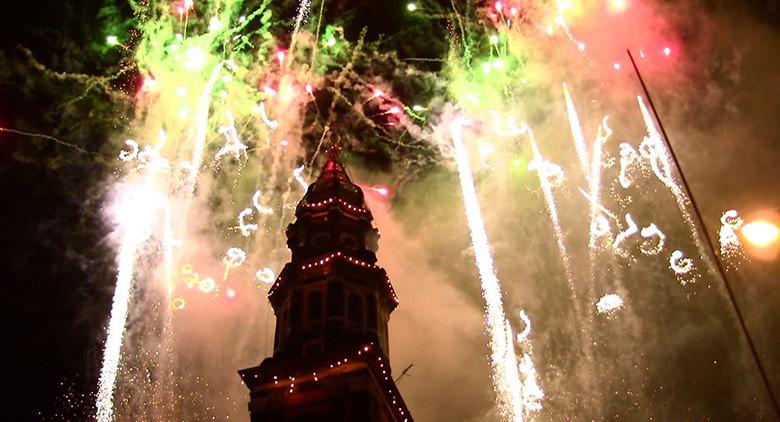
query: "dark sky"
58, 267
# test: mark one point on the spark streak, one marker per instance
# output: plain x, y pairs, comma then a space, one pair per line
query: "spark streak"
298, 178
134, 211
505, 378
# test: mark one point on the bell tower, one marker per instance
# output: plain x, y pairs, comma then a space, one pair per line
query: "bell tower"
332, 303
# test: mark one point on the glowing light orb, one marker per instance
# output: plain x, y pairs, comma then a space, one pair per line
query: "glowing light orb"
382, 190
617, 6
609, 304
667, 51
214, 24
234, 257
265, 275
494, 39
207, 285
178, 304
112, 40
760, 233
195, 59
411, 7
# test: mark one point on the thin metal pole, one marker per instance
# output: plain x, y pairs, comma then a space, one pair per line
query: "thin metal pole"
711, 247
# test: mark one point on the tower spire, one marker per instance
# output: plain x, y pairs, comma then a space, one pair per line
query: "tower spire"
332, 303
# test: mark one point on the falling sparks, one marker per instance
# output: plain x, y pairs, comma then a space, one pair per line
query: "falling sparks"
683, 267
730, 245
623, 235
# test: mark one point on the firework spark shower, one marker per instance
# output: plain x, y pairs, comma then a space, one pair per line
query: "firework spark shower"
502, 140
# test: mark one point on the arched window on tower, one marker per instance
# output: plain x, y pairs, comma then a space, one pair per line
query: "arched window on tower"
335, 300
355, 310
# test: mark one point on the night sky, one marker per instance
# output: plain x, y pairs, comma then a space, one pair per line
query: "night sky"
74, 99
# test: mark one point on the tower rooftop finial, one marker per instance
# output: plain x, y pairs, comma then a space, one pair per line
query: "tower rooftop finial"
334, 152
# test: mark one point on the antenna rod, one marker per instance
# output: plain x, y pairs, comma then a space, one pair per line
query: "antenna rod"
710, 245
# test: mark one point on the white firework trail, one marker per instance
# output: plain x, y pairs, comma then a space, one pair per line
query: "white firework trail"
513, 373
505, 379
531, 393
580, 144
730, 245
649, 232
134, 211
681, 266
628, 156
298, 178
202, 117
653, 148
623, 235
523, 335
260, 207
552, 210
233, 144
246, 228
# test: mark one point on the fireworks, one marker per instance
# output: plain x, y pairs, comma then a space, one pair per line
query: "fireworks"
506, 381
609, 304
223, 84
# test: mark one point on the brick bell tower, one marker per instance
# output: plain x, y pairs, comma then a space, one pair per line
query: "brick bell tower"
332, 304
